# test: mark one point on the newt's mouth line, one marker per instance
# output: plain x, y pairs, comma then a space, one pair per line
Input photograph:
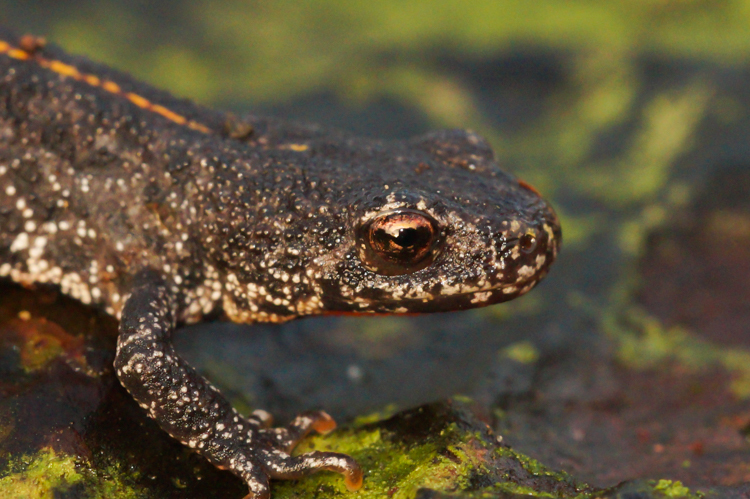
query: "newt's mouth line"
477, 297
508, 288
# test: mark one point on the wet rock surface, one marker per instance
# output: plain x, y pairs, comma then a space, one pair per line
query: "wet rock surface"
72, 431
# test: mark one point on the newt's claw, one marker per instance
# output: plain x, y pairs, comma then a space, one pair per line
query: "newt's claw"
270, 455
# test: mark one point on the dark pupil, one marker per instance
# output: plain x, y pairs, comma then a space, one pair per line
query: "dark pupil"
528, 243
410, 237
406, 243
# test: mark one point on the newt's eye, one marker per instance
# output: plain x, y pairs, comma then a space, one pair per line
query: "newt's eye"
398, 242
527, 242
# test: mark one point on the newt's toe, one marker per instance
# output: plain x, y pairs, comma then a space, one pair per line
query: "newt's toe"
353, 479
325, 424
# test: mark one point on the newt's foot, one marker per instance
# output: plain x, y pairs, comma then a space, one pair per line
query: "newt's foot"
269, 456
193, 411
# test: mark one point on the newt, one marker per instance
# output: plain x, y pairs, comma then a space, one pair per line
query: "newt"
162, 212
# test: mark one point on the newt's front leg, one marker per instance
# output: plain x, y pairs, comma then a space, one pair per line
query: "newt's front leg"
191, 410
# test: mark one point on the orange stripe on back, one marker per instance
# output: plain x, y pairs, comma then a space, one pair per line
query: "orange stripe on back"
70, 71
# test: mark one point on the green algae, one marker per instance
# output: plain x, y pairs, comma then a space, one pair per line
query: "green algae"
450, 460
41, 476
673, 489
458, 456
388, 466
384, 413
48, 473
392, 469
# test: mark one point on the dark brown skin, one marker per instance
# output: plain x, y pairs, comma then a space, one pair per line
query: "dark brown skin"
161, 212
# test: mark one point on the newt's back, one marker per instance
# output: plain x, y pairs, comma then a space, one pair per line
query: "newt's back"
79, 145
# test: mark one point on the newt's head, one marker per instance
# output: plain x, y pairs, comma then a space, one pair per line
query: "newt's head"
449, 232
425, 225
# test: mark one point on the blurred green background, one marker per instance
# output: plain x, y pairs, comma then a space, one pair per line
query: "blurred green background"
269, 51
433, 58
239, 55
